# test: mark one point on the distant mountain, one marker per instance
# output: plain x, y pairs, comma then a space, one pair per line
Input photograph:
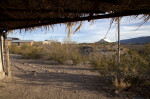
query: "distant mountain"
139, 40
103, 41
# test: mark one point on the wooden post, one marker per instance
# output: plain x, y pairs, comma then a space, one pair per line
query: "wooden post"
7, 55
2, 73
118, 41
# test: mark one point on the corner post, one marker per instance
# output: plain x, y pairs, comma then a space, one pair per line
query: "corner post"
2, 73
7, 55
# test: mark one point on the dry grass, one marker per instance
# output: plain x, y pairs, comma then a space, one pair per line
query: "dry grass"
120, 85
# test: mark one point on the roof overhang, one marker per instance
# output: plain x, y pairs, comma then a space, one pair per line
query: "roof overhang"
19, 14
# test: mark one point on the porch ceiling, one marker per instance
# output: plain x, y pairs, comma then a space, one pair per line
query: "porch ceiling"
19, 14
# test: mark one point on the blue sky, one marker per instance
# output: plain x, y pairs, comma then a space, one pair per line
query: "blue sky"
89, 32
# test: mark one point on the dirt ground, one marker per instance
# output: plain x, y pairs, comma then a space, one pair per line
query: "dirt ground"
38, 79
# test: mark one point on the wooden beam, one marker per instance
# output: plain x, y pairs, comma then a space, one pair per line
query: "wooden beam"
50, 21
62, 20
47, 11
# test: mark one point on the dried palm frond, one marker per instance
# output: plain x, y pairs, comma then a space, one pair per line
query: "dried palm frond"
78, 28
70, 26
145, 18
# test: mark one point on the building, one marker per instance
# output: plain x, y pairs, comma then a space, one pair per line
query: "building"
23, 42
47, 42
10, 39
50, 42
17, 41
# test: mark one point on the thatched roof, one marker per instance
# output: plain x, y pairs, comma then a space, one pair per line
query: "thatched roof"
18, 14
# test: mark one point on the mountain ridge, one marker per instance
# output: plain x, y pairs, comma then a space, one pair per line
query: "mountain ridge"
138, 40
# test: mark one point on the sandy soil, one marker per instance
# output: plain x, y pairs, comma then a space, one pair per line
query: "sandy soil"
38, 79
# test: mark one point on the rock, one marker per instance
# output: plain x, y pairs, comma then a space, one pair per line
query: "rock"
46, 71
34, 73
25, 63
12, 64
58, 71
116, 92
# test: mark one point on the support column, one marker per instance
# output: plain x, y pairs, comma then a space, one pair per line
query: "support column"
7, 55
118, 41
2, 73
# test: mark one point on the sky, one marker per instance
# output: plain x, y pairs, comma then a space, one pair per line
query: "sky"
89, 32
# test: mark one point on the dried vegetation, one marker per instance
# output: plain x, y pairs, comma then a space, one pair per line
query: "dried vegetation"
131, 74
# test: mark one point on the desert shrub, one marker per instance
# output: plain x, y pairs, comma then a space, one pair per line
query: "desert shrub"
141, 82
32, 52
105, 65
14, 49
59, 53
132, 64
132, 67
28, 52
77, 57
95, 60
146, 53
37, 44
85, 50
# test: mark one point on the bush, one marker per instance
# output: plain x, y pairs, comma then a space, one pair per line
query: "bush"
28, 52
146, 53
95, 60
33, 53
55, 51
63, 53
14, 49
77, 58
132, 66
59, 53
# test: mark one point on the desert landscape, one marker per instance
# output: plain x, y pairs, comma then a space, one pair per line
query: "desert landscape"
74, 49
37, 79
47, 75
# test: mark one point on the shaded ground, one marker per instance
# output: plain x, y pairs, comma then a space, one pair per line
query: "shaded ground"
38, 79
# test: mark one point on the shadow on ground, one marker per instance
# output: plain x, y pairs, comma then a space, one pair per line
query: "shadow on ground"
73, 82
62, 80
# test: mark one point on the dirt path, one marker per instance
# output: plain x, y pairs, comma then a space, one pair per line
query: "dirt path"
37, 79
